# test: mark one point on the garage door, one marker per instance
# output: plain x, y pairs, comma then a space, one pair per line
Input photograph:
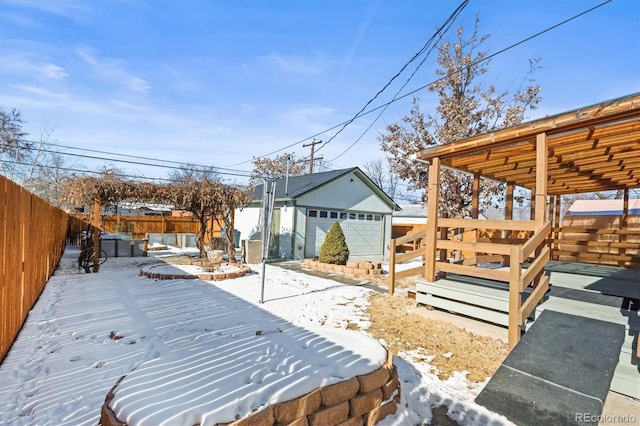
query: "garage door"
362, 231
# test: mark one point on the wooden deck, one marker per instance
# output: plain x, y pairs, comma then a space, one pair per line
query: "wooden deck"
592, 291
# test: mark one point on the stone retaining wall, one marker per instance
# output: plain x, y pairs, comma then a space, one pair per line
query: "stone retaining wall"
351, 269
362, 400
218, 276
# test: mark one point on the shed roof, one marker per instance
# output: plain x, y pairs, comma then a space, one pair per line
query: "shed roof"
300, 185
603, 207
596, 148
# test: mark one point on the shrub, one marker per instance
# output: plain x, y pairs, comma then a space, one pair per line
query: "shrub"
334, 249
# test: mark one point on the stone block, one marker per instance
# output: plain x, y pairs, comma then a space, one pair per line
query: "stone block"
380, 413
365, 265
364, 403
348, 271
287, 412
374, 380
353, 421
340, 392
330, 416
302, 421
338, 269
260, 418
353, 265
390, 387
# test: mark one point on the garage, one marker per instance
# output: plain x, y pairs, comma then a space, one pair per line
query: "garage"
363, 231
306, 206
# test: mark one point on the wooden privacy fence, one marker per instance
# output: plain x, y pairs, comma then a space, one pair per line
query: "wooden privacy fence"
139, 226
32, 240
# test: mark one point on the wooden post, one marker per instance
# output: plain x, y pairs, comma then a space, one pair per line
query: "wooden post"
508, 214
444, 235
431, 239
542, 161
475, 199
392, 267
515, 297
508, 208
232, 232
557, 226
161, 232
622, 238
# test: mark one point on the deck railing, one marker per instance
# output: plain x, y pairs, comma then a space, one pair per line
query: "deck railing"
617, 247
532, 249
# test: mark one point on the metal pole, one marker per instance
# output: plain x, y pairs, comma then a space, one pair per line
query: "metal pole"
268, 199
265, 213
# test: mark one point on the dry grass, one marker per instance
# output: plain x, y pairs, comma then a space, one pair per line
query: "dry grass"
450, 347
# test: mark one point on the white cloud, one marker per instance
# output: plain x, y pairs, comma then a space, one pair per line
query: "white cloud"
28, 65
114, 71
296, 64
77, 11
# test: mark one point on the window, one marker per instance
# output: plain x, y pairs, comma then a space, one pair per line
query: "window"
360, 216
343, 215
333, 215
369, 217
377, 217
323, 213
313, 213
352, 215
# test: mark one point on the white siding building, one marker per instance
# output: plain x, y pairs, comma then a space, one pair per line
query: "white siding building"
310, 204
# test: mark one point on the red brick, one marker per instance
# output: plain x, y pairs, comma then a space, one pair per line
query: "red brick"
340, 392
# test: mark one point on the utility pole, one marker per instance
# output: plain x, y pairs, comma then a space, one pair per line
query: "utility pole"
313, 149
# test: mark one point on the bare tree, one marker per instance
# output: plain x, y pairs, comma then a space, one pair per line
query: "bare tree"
382, 175
466, 108
14, 149
276, 168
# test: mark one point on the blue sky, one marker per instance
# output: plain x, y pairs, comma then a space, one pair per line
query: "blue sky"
220, 82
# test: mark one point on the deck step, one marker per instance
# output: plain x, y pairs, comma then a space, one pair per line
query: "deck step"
562, 366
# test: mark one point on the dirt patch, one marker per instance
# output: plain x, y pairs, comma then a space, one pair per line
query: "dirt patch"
445, 346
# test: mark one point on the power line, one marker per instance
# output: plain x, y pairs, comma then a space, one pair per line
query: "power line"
68, 169
465, 68
184, 167
129, 156
398, 98
447, 24
427, 46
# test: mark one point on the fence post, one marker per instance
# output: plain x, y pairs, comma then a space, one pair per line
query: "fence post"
392, 267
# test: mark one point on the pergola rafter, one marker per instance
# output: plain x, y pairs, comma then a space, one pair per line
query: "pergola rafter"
591, 149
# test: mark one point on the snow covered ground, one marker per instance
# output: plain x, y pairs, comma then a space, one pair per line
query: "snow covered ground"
200, 339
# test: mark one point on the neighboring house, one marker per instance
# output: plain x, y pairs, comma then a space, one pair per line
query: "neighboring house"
143, 209
602, 214
411, 218
306, 207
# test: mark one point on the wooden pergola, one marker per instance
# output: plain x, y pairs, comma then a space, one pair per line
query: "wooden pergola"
596, 148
